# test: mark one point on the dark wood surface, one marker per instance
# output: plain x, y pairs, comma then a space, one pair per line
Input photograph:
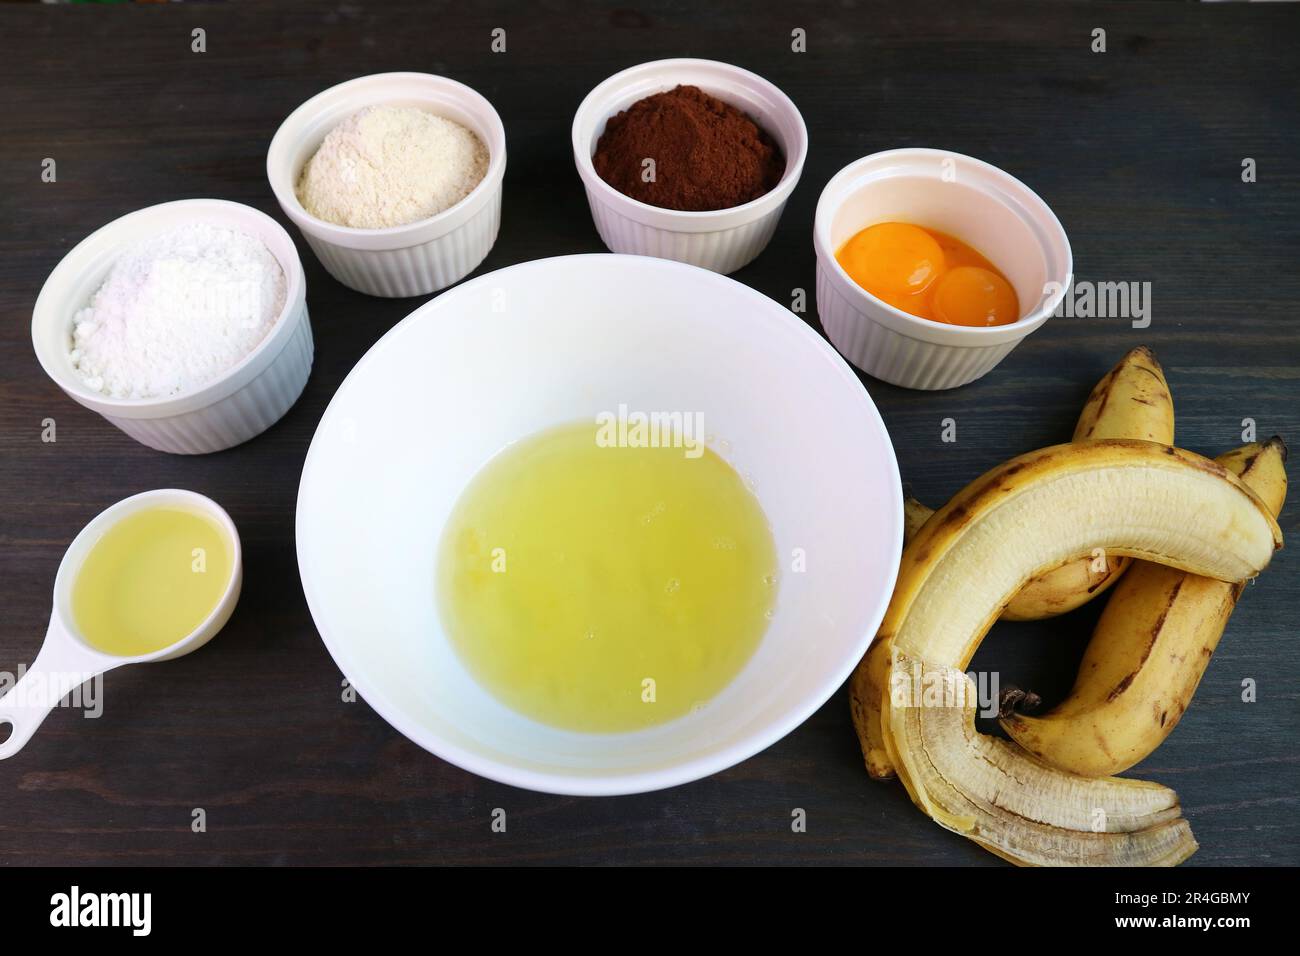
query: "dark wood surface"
1138, 150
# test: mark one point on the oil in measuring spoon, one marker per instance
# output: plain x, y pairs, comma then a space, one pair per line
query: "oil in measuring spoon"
150, 580
605, 589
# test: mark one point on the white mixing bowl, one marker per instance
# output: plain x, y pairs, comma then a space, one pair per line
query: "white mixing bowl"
515, 351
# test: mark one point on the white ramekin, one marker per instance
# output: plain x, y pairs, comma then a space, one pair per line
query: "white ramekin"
420, 257
245, 401
980, 204
723, 240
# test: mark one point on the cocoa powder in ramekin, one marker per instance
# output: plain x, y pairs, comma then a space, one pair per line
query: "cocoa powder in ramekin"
705, 153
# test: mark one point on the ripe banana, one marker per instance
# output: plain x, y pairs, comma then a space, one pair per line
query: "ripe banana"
1148, 652
1132, 498
1033, 513
1132, 400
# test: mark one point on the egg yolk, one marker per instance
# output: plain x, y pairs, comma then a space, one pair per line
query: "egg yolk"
893, 257
929, 274
969, 295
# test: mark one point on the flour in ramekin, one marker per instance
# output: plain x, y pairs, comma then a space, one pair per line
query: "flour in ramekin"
177, 310
391, 165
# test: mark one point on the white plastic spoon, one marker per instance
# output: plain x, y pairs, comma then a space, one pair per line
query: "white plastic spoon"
66, 660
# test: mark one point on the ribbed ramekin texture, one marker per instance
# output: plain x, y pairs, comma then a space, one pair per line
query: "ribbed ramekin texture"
895, 358
414, 270
724, 251
242, 415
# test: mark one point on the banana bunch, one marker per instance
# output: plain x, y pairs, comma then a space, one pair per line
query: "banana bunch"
1132, 400
1210, 525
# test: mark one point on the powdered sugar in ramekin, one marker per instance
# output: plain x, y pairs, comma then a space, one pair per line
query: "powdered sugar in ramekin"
176, 311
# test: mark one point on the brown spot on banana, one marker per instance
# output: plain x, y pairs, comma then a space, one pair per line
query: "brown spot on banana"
1101, 742
1103, 389
1146, 371
1122, 686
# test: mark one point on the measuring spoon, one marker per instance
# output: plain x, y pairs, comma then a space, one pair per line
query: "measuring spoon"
66, 660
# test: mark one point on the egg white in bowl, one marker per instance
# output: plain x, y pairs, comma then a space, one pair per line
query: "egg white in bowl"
514, 352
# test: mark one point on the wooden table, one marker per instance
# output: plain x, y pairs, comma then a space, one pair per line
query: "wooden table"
1139, 150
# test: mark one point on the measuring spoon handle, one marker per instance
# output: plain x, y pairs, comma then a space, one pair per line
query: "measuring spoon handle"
61, 667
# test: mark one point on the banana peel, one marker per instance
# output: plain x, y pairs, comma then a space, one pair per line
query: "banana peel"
998, 796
